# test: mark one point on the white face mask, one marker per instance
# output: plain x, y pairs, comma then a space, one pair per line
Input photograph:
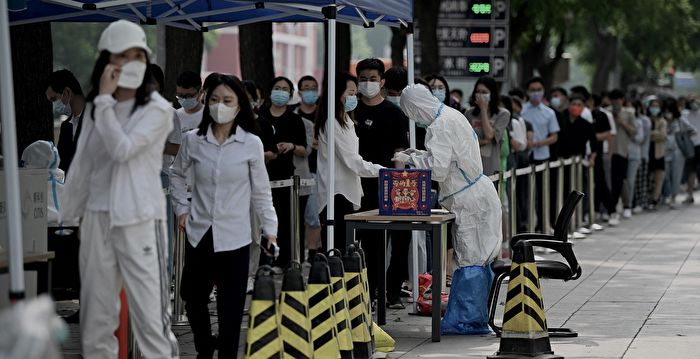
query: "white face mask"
222, 114
60, 108
369, 89
132, 74
396, 100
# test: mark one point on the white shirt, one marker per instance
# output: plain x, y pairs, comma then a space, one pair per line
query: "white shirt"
349, 165
227, 178
183, 122
519, 133
301, 163
693, 118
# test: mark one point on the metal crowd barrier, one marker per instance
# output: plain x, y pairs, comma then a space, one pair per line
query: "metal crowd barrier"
295, 183
574, 165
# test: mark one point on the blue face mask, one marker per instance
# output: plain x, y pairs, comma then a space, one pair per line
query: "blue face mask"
279, 97
309, 97
188, 103
440, 94
350, 103
654, 111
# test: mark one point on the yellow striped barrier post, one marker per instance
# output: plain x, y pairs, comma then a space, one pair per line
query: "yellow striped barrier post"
524, 323
295, 325
340, 300
361, 339
263, 339
322, 310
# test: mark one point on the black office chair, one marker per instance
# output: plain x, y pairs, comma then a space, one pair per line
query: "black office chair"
551, 269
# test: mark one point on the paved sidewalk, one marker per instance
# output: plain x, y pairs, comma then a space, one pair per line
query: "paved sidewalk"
637, 298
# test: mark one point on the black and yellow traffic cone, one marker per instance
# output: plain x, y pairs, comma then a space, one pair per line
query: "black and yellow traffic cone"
368, 297
295, 325
263, 339
524, 323
354, 286
322, 310
340, 298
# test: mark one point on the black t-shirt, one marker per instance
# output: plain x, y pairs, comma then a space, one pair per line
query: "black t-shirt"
573, 137
287, 128
267, 134
312, 157
381, 130
601, 124
554, 148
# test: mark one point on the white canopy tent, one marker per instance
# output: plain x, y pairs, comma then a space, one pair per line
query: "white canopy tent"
187, 14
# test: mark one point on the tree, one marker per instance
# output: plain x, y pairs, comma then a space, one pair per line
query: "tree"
255, 42
426, 13
32, 63
398, 44
343, 49
183, 51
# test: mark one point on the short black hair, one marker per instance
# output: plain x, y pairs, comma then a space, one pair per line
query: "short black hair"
189, 80
158, 77
278, 79
421, 81
534, 80
597, 100
559, 89
616, 94
517, 92
372, 63
577, 97
61, 79
581, 90
433, 77
244, 118
306, 78
396, 78
458, 92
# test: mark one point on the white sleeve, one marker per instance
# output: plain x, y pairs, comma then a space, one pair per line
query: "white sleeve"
178, 176
261, 193
154, 125
175, 136
438, 157
351, 159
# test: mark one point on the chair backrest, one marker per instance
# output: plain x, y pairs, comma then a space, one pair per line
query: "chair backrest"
561, 231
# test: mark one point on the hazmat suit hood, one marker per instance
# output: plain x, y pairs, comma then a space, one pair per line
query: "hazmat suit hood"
41, 154
420, 105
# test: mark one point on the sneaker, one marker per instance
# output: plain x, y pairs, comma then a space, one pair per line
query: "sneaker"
614, 219
689, 200
584, 230
395, 304
627, 213
577, 235
637, 210
250, 286
597, 227
212, 296
605, 217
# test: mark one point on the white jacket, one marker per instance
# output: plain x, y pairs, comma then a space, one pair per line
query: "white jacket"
136, 148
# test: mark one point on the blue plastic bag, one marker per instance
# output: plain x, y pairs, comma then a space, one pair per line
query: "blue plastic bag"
467, 308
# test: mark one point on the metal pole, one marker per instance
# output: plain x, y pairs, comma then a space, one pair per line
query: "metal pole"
295, 218
579, 187
412, 143
330, 13
179, 317
513, 202
546, 200
591, 194
532, 208
572, 187
9, 150
560, 185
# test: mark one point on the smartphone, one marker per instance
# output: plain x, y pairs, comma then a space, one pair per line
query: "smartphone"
265, 243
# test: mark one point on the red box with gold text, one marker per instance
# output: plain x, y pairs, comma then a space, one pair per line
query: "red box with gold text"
404, 192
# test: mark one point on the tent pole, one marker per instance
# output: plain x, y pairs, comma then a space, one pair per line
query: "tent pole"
9, 150
331, 12
412, 137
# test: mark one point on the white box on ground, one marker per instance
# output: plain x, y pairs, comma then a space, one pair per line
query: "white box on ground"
33, 186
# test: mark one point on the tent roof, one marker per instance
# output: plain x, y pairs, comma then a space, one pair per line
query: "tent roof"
191, 14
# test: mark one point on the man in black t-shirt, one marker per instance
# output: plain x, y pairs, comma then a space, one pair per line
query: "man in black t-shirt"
382, 129
575, 133
602, 133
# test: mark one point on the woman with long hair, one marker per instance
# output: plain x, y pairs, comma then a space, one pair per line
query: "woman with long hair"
228, 170
115, 188
349, 165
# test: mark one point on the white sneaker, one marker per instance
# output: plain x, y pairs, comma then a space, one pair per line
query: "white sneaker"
614, 219
584, 230
605, 217
597, 227
627, 213
637, 210
577, 235
250, 286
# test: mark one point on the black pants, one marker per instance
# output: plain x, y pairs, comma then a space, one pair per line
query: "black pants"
398, 266
602, 192
618, 174
280, 200
228, 271
342, 207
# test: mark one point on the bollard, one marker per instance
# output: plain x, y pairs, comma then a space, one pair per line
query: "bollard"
295, 218
572, 187
513, 211
579, 187
322, 310
179, 318
531, 198
357, 304
293, 315
546, 197
340, 300
263, 336
560, 184
591, 194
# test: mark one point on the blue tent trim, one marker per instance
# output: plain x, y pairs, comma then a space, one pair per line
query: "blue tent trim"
191, 14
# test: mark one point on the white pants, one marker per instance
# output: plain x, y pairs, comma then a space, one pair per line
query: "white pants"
134, 257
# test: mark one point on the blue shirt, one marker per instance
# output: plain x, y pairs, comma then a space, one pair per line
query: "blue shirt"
544, 122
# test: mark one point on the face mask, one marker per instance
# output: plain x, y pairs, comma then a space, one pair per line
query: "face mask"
60, 108
279, 97
616, 108
188, 103
654, 111
396, 100
222, 114
350, 103
556, 102
440, 94
131, 76
486, 97
536, 96
668, 116
309, 97
694, 105
575, 111
369, 89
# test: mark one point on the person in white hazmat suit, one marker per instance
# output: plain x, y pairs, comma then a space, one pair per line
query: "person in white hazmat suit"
452, 153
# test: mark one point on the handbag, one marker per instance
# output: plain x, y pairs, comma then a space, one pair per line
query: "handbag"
685, 144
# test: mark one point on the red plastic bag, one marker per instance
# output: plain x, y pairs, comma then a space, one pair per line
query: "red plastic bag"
424, 304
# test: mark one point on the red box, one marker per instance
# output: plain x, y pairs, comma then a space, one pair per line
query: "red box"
404, 192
